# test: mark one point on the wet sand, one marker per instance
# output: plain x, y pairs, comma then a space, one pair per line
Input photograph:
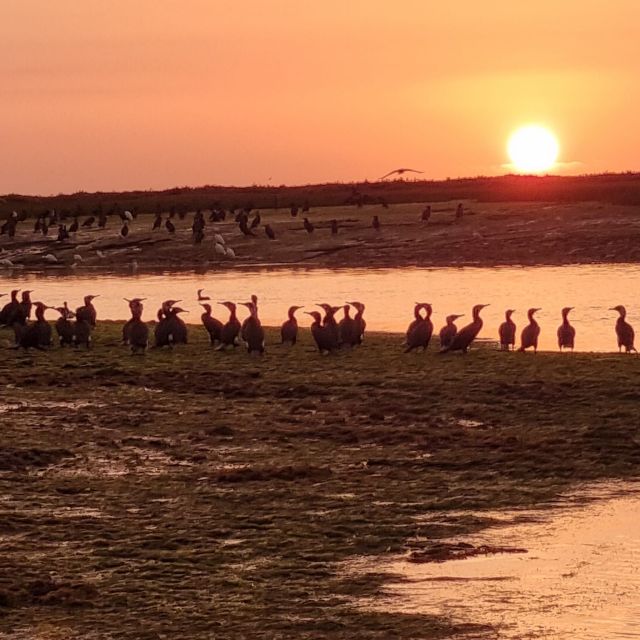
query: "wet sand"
489, 234
195, 494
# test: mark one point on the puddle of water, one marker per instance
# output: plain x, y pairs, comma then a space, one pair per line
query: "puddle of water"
580, 579
388, 293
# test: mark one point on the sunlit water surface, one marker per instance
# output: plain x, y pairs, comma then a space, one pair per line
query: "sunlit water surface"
388, 293
580, 579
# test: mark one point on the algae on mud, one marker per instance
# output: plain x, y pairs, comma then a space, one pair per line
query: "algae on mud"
192, 494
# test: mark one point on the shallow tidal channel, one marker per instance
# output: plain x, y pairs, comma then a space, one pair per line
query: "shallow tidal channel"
579, 578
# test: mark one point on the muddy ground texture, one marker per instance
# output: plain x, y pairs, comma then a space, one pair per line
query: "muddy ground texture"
192, 494
488, 234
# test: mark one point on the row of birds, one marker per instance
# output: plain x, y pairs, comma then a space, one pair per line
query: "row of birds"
329, 334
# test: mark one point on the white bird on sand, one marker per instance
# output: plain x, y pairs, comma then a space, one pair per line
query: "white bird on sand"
218, 238
77, 257
134, 265
219, 249
399, 172
5, 262
100, 254
128, 215
231, 253
49, 257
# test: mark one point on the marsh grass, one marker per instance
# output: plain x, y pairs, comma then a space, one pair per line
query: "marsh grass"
192, 494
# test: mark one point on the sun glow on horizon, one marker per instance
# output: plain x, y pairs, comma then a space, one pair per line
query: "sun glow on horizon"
533, 149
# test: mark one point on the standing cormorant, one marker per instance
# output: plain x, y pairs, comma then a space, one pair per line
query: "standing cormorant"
426, 214
530, 334
88, 312
211, 324
289, 329
334, 227
254, 302
308, 225
138, 330
270, 233
507, 332
135, 306
9, 310
36, 335
421, 329
253, 331
330, 325
566, 333
359, 319
375, 223
231, 329
323, 340
463, 339
448, 332
349, 330
64, 326
624, 331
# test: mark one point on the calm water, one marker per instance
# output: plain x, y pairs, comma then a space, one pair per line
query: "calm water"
388, 293
580, 579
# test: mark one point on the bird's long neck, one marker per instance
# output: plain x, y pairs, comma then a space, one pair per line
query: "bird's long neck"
416, 312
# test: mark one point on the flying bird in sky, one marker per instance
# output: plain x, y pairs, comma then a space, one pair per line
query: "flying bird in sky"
399, 172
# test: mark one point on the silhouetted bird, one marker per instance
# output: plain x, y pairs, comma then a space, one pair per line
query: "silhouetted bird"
426, 214
64, 326
9, 311
361, 323
36, 335
253, 331
348, 329
73, 227
399, 172
323, 340
63, 234
624, 331
294, 210
231, 329
421, 329
459, 211
308, 226
256, 220
334, 227
531, 333
271, 234
170, 227
375, 223
463, 339
449, 331
157, 222
566, 333
87, 312
89, 221
211, 324
289, 328
124, 230
507, 331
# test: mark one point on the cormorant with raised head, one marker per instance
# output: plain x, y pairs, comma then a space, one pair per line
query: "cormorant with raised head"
531, 333
448, 332
359, 319
463, 339
10, 309
64, 326
245, 323
37, 334
87, 312
138, 330
135, 306
507, 332
566, 333
231, 329
348, 329
289, 329
211, 324
202, 298
330, 325
624, 331
253, 331
323, 340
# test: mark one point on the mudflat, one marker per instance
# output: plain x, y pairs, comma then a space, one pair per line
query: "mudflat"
191, 493
487, 234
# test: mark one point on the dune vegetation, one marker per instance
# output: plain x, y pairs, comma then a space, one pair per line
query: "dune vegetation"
191, 493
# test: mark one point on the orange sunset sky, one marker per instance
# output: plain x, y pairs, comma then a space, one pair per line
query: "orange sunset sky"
122, 94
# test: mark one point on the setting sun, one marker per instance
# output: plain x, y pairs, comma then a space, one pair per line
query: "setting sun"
533, 149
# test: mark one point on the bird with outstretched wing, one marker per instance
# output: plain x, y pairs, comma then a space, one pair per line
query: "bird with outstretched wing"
399, 172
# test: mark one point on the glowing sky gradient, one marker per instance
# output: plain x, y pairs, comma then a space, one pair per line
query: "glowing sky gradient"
120, 94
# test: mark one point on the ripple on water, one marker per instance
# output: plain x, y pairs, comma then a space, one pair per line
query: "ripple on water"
580, 579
